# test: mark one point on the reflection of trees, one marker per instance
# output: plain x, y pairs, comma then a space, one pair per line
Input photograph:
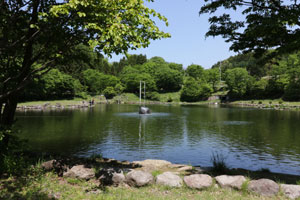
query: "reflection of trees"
152, 132
269, 132
62, 132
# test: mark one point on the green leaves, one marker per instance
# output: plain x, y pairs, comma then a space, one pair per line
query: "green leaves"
267, 24
116, 25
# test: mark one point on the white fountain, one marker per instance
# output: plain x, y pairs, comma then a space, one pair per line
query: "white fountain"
143, 109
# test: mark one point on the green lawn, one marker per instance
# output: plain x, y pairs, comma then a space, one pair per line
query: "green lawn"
49, 185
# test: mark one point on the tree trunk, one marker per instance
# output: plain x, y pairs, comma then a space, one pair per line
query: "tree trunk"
7, 117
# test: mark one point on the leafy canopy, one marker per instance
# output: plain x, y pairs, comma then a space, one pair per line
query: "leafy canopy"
36, 34
267, 24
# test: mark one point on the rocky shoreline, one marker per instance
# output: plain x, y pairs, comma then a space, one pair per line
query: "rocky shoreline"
110, 172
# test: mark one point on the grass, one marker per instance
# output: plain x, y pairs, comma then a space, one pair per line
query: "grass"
156, 173
219, 165
267, 102
50, 185
175, 96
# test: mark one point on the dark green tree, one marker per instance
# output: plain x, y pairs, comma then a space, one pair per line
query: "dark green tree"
238, 81
266, 24
194, 90
196, 71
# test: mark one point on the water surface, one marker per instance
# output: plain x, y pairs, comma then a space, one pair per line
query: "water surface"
247, 138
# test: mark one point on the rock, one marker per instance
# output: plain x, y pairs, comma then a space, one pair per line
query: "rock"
235, 182
106, 176
153, 163
79, 171
58, 166
49, 165
118, 178
169, 179
291, 191
198, 181
264, 187
139, 178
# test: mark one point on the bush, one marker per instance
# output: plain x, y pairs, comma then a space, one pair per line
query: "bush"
169, 99
109, 92
154, 96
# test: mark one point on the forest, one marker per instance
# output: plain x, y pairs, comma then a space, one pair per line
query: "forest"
84, 73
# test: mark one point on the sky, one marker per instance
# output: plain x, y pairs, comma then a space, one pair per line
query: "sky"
187, 44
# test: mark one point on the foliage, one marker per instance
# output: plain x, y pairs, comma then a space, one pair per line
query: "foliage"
109, 92
196, 71
238, 81
154, 96
97, 81
131, 81
257, 91
194, 90
35, 36
266, 24
213, 77
119, 88
53, 85
257, 67
168, 80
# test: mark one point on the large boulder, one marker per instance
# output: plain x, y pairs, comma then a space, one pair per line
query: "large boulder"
139, 178
118, 178
198, 181
291, 191
169, 179
153, 163
264, 187
235, 182
81, 172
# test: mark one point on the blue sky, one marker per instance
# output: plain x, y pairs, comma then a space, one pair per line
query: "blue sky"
188, 44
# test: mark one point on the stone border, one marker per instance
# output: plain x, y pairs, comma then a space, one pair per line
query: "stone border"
141, 176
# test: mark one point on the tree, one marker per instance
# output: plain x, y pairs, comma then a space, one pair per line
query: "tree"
213, 77
131, 82
168, 80
267, 24
196, 71
194, 90
36, 34
97, 81
237, 80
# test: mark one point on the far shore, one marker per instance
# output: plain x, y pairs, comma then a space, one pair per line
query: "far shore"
83, 103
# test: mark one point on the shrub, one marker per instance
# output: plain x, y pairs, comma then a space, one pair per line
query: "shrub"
154, 96
169, 99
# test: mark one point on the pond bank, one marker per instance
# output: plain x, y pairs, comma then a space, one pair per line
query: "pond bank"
84, 104
100, 178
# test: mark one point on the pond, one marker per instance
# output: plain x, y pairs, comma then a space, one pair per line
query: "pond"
247, 138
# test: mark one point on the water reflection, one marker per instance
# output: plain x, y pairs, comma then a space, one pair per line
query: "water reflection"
249, 138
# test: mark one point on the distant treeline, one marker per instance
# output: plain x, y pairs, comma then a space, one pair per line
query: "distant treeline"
84, 72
